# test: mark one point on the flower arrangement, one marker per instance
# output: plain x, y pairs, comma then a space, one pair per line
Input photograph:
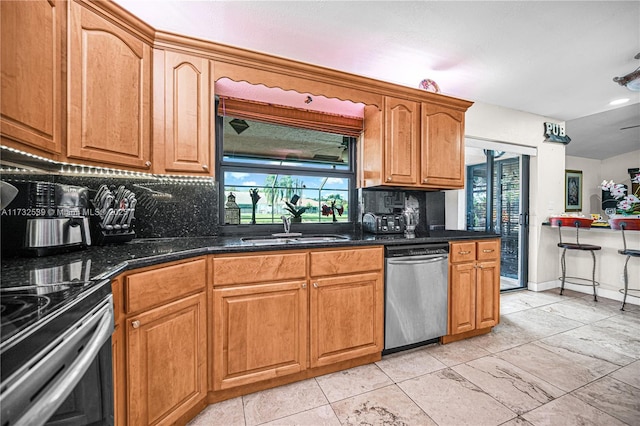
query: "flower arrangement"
627, 204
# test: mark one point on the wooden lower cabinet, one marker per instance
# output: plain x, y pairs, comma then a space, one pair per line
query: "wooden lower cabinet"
260, 332
474, 288
462, 312
166, 361
119, 392
346, 318
304, 310
265, 319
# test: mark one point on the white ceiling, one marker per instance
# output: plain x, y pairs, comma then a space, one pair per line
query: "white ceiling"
552, 58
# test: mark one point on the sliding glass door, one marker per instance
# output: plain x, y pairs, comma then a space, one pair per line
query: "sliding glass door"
497, 199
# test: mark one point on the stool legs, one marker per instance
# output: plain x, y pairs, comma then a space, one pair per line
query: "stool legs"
563, 264
626, 283
564, 270
593, 277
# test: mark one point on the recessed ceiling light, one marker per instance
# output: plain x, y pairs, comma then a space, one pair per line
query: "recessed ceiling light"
619, 101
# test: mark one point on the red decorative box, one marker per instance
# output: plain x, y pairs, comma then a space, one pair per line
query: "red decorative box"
569, 221
630, 224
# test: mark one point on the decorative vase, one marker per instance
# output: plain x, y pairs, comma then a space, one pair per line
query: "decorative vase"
296, 219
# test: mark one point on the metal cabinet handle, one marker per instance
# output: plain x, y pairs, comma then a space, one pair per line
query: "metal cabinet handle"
487, 251
425, 180
135, 324
205, 167
464, 252
147, 164
304, 285
388, 178
315, 285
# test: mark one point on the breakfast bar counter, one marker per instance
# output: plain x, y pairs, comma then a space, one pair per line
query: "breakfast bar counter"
610, 264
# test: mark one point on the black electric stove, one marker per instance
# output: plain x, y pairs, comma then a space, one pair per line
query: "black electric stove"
39, 308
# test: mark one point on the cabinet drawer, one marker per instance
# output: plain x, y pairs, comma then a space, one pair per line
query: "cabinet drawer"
150, 288
489, 249
462, 252
346, 261
259, 268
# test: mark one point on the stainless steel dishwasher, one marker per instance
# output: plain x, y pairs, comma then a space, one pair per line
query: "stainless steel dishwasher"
415, 295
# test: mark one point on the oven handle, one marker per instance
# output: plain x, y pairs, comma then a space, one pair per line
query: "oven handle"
412, 260
47, 404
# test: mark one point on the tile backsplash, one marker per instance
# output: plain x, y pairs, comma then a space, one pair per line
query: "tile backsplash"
167, 207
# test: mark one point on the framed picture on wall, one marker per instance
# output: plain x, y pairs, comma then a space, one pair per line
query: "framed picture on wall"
572, 190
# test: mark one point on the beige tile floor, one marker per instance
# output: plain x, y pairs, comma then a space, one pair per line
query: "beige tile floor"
553, 360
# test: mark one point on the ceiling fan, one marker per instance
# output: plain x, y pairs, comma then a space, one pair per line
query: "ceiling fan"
632, 80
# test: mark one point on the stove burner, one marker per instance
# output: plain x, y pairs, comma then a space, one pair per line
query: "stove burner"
17, 307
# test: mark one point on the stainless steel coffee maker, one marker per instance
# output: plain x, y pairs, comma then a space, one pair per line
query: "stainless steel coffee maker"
46, 218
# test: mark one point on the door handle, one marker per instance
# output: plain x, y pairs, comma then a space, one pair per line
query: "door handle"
47, 402
416, 259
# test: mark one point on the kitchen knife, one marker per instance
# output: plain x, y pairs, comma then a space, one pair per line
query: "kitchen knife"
102, 188
118, 219
107, 202
129, 218
108, 219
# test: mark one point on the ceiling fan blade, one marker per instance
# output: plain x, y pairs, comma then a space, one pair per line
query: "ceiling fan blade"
630, 127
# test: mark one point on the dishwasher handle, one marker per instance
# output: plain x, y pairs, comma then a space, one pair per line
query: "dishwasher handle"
413, 260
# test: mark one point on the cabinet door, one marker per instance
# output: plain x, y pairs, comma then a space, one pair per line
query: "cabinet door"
402, 126
189, 134
488, 294
166, 361
462, 298
119, 392
32, 100
260, 332
109, 117
346, 318
442, 160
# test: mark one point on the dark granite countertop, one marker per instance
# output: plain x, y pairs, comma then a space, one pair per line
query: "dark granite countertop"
104, 262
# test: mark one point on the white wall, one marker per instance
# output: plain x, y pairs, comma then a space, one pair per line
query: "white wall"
591, 194
490, 122
595, 171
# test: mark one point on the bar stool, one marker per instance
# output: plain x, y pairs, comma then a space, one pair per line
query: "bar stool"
631, 224
578, 223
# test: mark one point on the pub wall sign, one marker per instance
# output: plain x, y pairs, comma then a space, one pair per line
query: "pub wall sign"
555, 133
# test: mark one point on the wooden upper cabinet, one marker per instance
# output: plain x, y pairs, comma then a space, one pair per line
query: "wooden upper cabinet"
33, 40
402, 126
184, 127
109, 116
413, 144
442, 159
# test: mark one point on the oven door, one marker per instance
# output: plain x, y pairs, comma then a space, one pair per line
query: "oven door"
70, 382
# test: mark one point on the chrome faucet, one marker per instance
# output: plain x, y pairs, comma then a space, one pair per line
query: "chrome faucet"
286, 221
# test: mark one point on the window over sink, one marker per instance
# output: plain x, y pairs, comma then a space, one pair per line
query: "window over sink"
300, 162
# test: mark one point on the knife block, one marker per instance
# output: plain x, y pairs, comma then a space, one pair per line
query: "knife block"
101, 236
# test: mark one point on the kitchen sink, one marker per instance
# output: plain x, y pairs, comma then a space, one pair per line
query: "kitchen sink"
293, 239
265, 240
318, 239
